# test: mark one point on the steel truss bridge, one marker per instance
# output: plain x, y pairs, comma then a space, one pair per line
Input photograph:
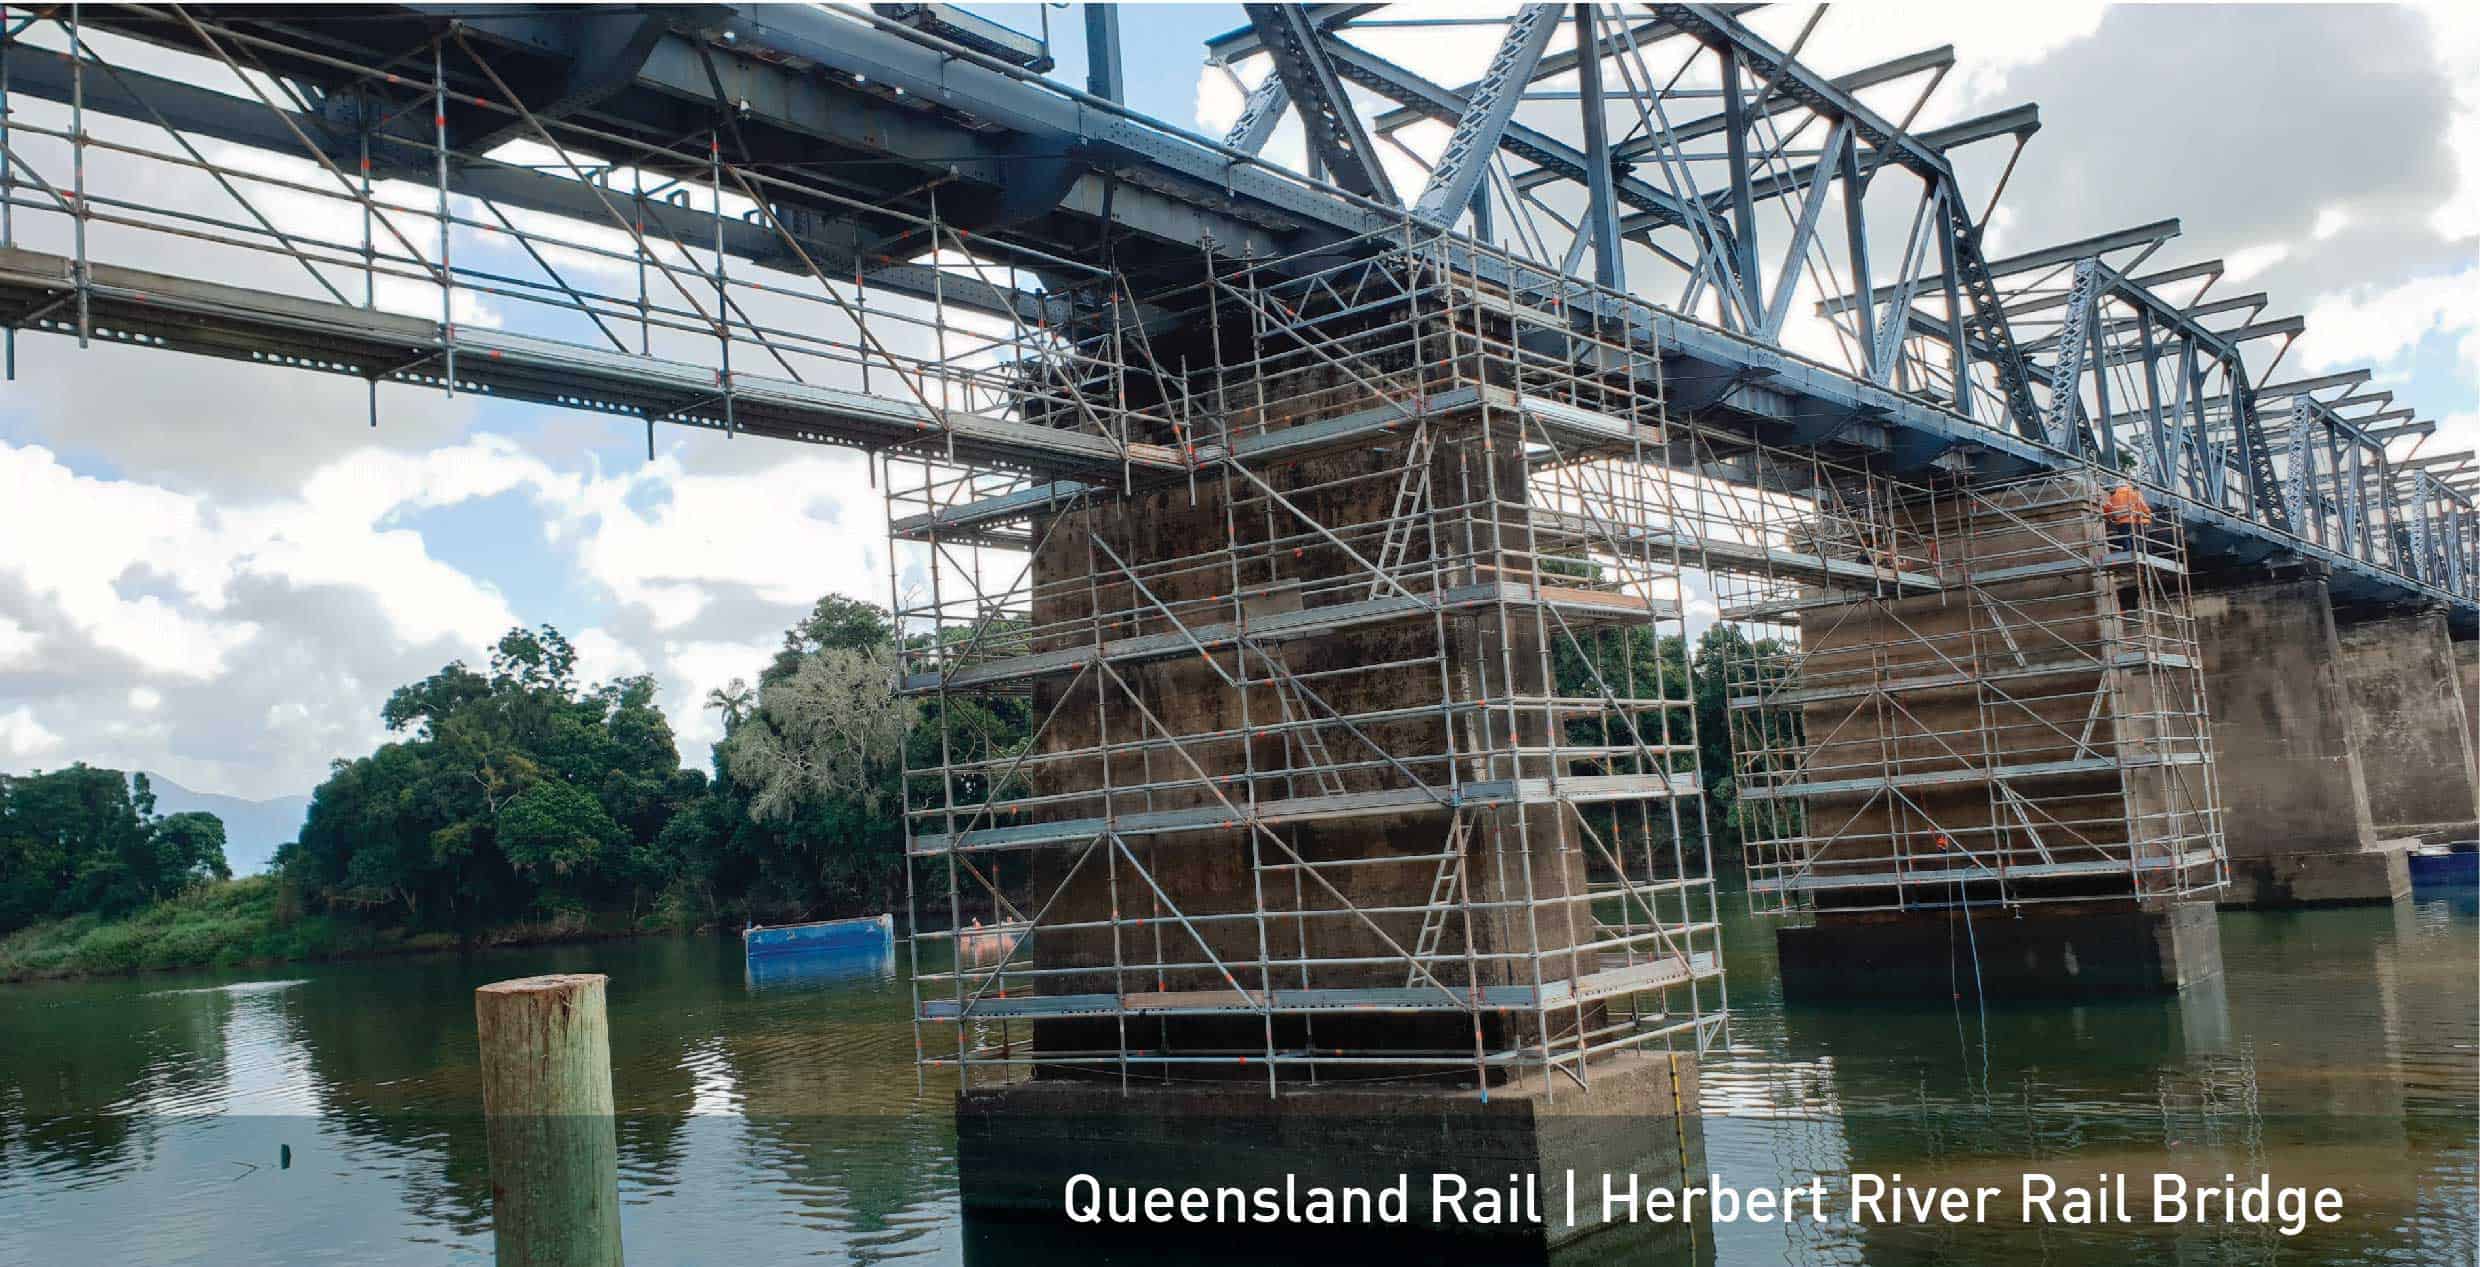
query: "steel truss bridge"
842, 226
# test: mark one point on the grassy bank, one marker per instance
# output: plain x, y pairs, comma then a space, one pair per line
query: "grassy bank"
237, 923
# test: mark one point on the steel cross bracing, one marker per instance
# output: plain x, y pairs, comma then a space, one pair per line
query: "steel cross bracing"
750, 162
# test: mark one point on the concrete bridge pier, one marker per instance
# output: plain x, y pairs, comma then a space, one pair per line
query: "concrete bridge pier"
2002, 787
2466, 653
2297, 818
2409, 723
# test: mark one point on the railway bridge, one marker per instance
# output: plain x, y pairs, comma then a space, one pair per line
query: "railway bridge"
1341, 531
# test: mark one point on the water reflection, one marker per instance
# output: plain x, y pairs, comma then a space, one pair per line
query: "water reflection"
812, 969
769, 1115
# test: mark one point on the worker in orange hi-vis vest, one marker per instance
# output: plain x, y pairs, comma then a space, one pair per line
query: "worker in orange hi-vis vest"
2125, 511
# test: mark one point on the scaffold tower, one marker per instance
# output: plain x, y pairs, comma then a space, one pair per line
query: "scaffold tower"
1362, 747
2007, 709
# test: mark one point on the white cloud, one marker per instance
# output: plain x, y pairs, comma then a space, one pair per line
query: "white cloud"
2455, 41
2456, 431
699, 667
2382, 324
602, 657
24, 738
147, 571
17, 644
787, 533
253, 605
99, 536
2248, 261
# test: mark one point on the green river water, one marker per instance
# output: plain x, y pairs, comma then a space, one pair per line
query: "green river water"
331, 1112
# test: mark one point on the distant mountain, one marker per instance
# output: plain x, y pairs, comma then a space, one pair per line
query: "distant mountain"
252, 829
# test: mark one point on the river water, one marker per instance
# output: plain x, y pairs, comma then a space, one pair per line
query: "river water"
330, 1113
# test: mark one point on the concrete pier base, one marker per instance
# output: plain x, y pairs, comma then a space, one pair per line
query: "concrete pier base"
1018, 1145
2065, 951
2296, 819
2379, 873
2407, 724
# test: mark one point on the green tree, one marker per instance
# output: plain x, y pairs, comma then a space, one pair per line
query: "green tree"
1730, 665
831, 730
820, 761
87, 839
559, 837
803, 815
516, 789
834, 623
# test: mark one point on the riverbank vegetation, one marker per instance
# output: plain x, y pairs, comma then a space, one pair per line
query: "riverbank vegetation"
88, 841
248, 920
515, 803
520, 793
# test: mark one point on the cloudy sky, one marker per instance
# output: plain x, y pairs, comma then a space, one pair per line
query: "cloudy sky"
218, 571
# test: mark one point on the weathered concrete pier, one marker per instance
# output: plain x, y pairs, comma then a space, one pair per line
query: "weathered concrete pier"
2023, 750
2292, 763
2409, 722
2344, 738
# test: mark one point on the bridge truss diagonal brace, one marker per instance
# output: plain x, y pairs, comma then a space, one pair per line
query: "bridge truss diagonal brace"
1336, 136
1258, 117
1488, 109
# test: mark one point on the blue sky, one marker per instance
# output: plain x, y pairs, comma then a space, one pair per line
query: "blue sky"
218, 571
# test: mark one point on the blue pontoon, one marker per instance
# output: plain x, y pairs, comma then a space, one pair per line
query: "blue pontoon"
866, 933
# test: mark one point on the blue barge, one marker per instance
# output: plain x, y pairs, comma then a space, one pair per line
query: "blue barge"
2455, 865
868, 933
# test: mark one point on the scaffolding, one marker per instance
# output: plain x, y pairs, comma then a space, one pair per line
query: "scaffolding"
1361, 746
1998, 702
683, 282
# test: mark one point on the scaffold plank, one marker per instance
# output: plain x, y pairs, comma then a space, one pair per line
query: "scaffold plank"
240, 323
1654, 974
1573, 789
1718, 555
1295, 443
1969, 775
2060, 567
1810, 883
1950, 680
1309, 622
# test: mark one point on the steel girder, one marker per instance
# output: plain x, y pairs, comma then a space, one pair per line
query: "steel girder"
1258, 117
2091, 345
1531, 144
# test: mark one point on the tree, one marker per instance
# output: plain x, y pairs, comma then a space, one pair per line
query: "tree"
803, 814
88, 839
554, 833
830, 730
190, 845
834, 623
820, 762
1729, 664
517, 789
